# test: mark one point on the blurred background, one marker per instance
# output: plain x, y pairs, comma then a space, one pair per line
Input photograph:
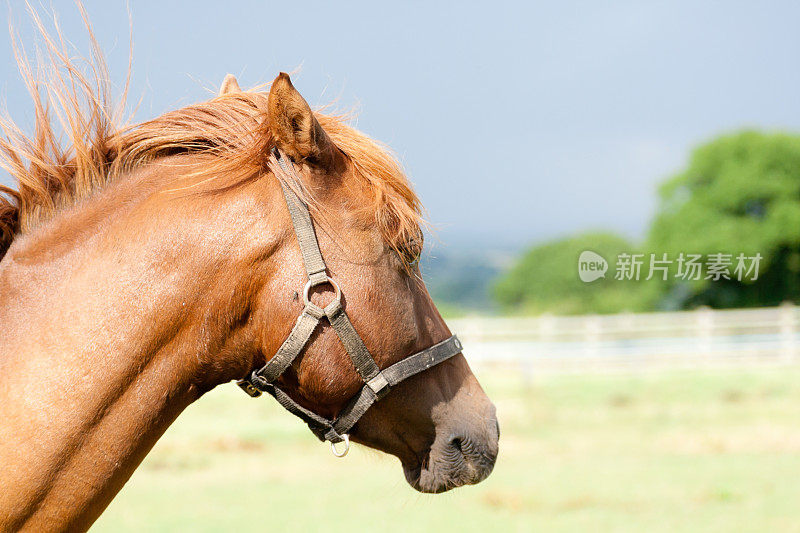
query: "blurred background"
532, 132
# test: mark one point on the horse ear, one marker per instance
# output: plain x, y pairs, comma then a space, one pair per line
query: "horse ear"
295, 130
229, 85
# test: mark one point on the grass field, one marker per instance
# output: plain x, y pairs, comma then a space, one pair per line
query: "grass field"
715, 451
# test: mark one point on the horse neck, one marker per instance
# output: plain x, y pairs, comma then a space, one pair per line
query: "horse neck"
107, 329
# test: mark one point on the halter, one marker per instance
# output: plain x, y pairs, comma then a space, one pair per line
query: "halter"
377, 382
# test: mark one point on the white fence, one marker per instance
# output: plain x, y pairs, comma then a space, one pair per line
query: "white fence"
635, 342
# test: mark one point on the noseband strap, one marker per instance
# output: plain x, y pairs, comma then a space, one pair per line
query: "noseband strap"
377, 382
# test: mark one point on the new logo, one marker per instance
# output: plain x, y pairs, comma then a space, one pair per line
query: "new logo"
591, 266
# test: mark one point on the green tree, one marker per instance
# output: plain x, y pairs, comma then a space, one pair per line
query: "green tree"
739, 194
546, 279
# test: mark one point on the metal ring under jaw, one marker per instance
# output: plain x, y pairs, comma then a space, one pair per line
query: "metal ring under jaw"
336, 452
337, 297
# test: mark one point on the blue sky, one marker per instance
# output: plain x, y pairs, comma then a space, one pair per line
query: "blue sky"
517, 122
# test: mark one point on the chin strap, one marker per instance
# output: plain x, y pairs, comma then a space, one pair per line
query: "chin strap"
377, 383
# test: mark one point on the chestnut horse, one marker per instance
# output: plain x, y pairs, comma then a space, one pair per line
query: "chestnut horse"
143, 266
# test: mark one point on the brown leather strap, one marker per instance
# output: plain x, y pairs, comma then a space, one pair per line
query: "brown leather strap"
301, 220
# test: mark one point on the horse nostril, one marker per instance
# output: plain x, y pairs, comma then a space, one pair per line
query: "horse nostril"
497, 425
468, 459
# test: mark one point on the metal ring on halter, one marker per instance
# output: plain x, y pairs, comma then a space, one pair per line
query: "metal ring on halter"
336, 452
337, 291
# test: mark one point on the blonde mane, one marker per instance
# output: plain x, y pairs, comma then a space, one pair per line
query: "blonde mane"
51, 176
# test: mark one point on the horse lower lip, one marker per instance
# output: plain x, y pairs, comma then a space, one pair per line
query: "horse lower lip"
413, 475
424, 481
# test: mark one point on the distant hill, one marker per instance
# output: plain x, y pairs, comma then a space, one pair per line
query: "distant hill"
460, 278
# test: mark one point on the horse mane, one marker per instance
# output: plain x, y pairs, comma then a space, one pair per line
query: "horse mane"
231, 128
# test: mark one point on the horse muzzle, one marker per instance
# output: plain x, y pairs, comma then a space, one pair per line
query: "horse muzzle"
461, 454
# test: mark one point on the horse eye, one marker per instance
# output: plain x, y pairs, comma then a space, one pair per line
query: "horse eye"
412, 251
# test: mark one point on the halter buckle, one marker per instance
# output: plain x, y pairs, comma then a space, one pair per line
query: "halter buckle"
337, 453
249, 388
